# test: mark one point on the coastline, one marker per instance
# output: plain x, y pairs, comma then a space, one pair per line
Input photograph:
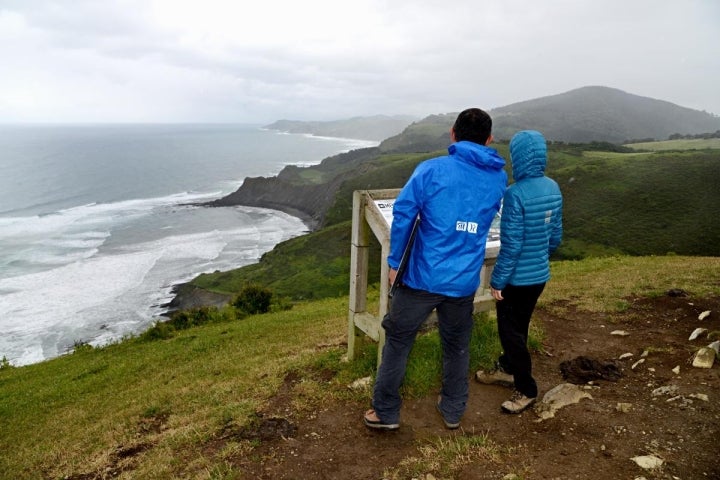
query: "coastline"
259, 192
187, 296
54, 284
310, 222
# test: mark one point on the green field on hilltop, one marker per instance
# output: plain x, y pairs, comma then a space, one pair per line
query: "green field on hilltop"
680, 144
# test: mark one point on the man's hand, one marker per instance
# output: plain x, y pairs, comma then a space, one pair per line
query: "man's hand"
391, 276
497, 294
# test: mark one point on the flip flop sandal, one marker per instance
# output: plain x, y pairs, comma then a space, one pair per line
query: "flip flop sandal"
378, 424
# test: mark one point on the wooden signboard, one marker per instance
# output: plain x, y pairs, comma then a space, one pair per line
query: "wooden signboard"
372, 212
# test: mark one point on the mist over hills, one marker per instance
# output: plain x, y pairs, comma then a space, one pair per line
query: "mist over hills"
601, 114
583, 115
377, 127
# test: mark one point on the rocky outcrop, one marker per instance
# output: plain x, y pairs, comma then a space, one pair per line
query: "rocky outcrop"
304, 192
189, 296
307, 202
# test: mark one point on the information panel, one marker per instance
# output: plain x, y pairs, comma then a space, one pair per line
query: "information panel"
385, 207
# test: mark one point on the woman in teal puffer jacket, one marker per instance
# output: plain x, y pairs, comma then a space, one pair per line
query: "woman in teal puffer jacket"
530, 230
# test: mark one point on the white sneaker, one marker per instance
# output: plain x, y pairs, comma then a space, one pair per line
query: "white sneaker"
495, 377
517, 403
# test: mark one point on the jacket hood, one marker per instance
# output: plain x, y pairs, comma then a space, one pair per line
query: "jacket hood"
528, 154
478, 155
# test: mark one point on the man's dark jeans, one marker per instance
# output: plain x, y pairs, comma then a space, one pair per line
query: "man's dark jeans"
409, 310
513, 319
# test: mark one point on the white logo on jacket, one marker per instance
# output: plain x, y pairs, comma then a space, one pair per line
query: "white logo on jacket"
470, 227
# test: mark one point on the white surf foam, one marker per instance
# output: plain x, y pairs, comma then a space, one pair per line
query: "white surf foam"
109, 295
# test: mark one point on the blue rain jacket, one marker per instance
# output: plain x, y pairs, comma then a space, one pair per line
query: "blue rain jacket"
457, 197
531, 222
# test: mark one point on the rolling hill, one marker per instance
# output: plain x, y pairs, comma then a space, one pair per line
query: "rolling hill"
587, 114
583, 115
601, 114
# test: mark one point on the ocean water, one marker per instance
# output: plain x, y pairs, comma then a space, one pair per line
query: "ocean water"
96, 226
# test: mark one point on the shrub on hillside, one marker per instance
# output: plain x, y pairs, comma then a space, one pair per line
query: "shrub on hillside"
192, 317
159, 331
253, 299
5, 363
184, 319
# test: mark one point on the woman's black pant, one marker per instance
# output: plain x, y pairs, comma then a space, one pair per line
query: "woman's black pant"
513, 317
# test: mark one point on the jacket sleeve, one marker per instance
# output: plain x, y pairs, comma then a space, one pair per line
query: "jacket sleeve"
557, 231
406, 208
512, 226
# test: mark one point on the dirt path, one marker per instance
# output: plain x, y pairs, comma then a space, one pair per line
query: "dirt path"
588, 440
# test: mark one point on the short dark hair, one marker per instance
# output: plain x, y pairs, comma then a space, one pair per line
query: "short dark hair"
473, 125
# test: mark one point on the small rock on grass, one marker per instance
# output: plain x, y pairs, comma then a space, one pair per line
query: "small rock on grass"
665, 390
697, 332
558, 397
648, 462
361, 383
704, 358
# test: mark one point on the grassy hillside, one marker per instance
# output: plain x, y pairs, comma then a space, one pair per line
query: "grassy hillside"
682, 144
638, 203
641, 204
177, 408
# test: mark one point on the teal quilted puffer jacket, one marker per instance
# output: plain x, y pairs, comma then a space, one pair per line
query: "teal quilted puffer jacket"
531, 222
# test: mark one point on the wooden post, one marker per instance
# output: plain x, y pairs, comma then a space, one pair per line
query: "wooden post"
359, 248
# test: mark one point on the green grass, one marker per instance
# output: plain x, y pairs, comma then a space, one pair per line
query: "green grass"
681, 144
308, 267
169, 399
445, 457
67, 415
650, 204
600, 284
641, 203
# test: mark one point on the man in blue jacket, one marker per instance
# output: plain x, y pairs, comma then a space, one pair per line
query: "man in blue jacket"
530, 230
456, 197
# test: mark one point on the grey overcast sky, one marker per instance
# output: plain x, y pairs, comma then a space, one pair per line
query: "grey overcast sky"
260, 61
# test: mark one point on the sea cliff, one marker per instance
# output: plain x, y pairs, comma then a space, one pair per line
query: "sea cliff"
307, 202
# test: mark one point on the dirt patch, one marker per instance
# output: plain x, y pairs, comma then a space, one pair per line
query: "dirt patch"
122, 459
652, 402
